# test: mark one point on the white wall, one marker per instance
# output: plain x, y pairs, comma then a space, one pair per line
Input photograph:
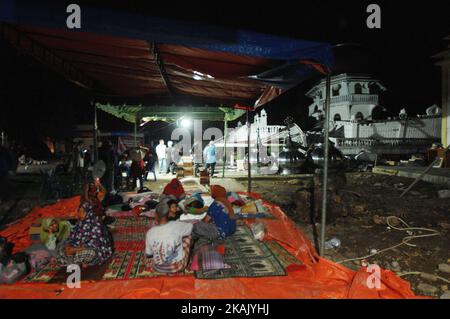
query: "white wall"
415, 128
446, 104
365, 109
342, 109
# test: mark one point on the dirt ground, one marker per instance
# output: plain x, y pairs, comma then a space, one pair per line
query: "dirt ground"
358, 215
358, 209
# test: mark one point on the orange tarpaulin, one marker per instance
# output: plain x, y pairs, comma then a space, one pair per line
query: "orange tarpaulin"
318, 278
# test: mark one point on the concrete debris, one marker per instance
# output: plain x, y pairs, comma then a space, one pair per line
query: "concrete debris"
444, 225
379, 220
444, 193
294, 182
429, 277
427, 289
444, 268
333, 243
358, 209
377, 185
445, 295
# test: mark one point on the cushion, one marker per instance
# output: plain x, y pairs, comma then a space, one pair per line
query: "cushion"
212, 260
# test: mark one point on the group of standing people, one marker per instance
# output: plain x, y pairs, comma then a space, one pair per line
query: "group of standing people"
166, 157
143, 162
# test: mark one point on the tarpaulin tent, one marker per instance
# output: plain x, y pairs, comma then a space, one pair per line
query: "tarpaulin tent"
122, 54
316, 277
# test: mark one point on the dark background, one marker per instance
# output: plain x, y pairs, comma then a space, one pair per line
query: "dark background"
35, 102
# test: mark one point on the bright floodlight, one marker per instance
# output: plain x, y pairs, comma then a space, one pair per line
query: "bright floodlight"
186, 122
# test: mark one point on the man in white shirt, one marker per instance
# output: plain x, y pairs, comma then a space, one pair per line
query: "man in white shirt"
161, 153
168, 243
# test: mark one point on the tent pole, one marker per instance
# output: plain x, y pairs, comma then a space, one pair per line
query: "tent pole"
249, 181
95, 132
225, 147
325, 166
135, 132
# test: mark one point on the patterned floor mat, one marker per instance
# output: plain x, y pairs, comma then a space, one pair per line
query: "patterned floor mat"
43, 275
133, 265
129, 240
247, 258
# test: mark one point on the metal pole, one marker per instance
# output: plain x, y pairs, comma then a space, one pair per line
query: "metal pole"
325, 166
249, 181
135, 132
95, 132
224, 147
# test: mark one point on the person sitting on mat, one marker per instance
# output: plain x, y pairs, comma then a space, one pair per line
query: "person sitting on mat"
194, 205
175, 188
169, 243
53, 232
94, 193
221, 213
90, 242
174, 210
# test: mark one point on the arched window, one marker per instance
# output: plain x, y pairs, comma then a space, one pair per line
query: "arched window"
374, 88
335, 90
358, 88
337, 117
359, 116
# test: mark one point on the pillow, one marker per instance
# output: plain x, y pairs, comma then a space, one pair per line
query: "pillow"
213, 260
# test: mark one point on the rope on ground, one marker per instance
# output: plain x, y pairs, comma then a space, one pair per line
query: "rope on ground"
405, 241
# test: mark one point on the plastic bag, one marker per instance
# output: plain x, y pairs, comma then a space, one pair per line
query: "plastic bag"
13, 272
258, 230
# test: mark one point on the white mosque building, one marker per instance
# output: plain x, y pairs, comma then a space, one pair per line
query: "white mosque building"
352, 97
357, 118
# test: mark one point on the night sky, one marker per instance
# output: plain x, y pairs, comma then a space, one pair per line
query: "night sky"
35, 102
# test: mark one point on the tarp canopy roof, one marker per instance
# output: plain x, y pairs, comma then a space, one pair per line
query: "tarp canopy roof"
122, 55
134, 113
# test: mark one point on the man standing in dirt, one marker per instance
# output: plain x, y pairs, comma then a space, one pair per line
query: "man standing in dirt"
210, 156
170, 158
161, 153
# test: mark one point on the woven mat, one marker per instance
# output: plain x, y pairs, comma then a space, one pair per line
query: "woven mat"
191, 186
127, 262
247, 257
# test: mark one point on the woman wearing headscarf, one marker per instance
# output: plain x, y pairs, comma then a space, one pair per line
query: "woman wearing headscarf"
175, 188
90, 242
53, 232
221, 213
94, 192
